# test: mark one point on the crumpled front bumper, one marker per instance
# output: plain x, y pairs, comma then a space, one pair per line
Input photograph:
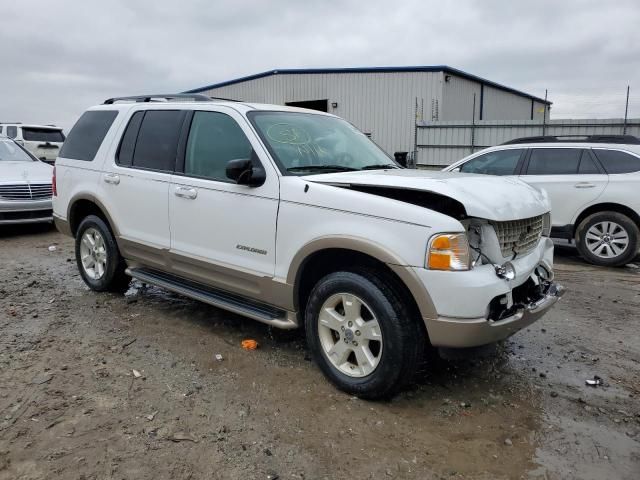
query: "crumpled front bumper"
462, 333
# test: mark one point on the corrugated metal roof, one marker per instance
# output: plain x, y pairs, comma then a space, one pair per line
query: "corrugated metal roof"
427, 68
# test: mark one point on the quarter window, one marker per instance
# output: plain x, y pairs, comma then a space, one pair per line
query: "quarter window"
87, 135
615, 161
158, 140
502, 162
214, 140
554, 161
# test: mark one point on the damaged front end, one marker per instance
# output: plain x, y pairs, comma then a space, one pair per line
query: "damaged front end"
532, 294
500, 244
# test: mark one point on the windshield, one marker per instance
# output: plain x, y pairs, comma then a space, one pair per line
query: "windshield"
306, 143
32, 134
10, 152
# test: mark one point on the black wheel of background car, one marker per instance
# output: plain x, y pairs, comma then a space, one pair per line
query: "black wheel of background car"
363, 334
607, 239
99, 261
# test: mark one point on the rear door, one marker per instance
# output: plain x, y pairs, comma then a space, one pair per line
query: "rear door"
570, 176
136, 183
222, 233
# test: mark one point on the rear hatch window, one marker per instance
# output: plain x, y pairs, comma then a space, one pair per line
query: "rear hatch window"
32, 134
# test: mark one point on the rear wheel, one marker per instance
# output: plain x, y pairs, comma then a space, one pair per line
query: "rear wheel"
98, 258
362, 335
607, 239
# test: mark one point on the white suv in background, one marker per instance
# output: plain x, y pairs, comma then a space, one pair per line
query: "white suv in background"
43, 141
593, 183
291, 217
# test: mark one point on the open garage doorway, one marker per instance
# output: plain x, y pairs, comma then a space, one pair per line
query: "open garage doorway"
320, 105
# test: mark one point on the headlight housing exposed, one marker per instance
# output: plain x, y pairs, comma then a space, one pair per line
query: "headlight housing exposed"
449, 251
546, 224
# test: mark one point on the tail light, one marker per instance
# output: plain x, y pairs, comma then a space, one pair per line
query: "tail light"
53, 183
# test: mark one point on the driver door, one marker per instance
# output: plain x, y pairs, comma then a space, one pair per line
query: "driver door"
222, 234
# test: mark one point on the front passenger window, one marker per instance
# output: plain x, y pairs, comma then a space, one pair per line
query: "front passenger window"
215, 139
503, 162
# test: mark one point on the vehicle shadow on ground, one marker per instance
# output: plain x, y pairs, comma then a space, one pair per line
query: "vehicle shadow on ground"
461, 371
12, 231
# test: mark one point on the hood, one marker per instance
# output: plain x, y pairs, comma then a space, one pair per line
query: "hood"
31, 172
483, 196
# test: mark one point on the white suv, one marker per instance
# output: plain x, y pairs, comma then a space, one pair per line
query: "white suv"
43, 141
592, 182
293, 217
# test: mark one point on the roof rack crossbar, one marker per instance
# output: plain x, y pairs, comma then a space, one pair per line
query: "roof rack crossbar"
196, 97
619, 139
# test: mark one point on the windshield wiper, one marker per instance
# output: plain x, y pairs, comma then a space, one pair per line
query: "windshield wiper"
379, 167
315, 168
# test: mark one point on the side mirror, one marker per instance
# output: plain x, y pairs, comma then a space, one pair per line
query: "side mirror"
246, 171
457, 169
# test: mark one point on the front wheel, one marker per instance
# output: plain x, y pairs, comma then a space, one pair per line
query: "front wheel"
363, 336
607, 239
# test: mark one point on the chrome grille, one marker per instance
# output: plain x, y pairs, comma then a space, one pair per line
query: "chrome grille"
518, 236
25, 191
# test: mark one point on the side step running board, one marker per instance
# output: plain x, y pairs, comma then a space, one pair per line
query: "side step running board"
218, 298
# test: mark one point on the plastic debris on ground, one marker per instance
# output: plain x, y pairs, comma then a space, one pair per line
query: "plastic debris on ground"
595, 382
249, 344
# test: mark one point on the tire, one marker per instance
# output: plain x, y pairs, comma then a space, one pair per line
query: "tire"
601, 238
396, 355
107, 274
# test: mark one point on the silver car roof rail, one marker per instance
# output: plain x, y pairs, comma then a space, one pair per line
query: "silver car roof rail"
196, 97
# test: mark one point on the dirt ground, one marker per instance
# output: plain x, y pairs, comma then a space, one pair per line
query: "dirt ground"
72, 407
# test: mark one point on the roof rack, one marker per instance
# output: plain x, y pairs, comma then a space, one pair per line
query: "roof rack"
196, 97
623, 139
11, 123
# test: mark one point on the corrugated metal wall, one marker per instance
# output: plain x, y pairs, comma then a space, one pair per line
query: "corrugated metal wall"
491, 103
382, 104
458, 99
442, 143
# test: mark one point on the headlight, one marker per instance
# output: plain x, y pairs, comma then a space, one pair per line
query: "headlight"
546, 224
449, 251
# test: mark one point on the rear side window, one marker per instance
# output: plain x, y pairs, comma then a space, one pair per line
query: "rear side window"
587, 165
214, 139
158, 140
12, 132
554, 161
614, 161
87, 135
128, 143
503, 162
32, 134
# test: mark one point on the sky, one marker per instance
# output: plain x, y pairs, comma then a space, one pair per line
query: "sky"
59, 57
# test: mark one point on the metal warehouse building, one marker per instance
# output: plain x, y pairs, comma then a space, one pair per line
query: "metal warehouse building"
385, 102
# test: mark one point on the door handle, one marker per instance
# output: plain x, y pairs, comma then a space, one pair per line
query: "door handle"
112, 178
584, 185
186, 192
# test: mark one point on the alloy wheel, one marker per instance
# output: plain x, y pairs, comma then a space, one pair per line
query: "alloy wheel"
350, 335
93, 254
607, 239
